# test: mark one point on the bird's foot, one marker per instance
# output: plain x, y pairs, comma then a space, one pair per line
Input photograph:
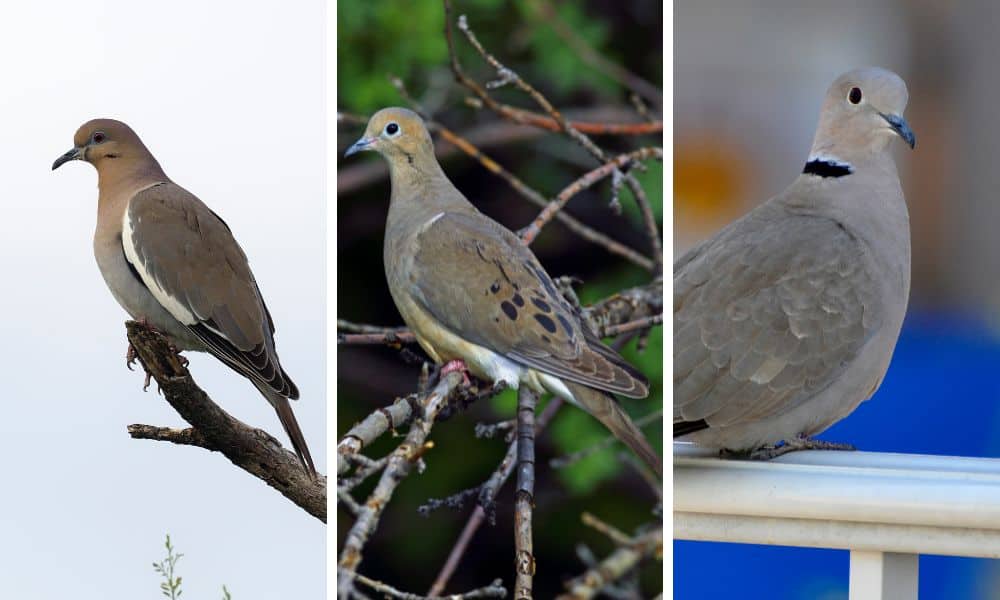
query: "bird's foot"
794, 445
456, 366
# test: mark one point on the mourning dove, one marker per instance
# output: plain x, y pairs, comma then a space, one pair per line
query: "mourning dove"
173, 263
472, 292
785, 321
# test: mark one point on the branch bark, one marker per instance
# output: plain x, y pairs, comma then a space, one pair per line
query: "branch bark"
524, 496
251, 449
401, 461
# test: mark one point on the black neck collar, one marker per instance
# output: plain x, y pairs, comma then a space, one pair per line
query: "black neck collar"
824, 167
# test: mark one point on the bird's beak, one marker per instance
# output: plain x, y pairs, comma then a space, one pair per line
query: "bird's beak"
74, 154
360, 145
900, 126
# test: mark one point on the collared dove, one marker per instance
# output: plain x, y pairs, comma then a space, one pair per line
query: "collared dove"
473, 293
172, 262
785, 321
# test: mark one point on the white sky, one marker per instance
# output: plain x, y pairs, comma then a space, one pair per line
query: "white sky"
229, 96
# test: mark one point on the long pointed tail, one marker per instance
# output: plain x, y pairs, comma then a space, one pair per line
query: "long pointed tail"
606, 409
291, 425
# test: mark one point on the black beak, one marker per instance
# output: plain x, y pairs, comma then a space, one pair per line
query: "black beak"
74, 154
900, 126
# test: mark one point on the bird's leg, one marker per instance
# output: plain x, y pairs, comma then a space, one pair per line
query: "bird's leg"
795, 444
457, 365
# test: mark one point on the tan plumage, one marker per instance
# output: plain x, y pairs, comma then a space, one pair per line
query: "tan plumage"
470, 290
168, 259
786, 319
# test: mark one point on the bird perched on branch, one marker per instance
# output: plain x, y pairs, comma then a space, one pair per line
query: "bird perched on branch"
477, 298
785, 321
174, 264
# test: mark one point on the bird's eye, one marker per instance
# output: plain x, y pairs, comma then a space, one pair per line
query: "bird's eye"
855, 96
98, 137
392, 129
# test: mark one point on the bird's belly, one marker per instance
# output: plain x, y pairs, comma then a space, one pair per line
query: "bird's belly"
137, 300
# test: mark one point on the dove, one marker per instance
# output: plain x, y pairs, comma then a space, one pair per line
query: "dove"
786, 319
174, 264
476, 297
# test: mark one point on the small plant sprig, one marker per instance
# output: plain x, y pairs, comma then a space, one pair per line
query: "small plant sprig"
171, 585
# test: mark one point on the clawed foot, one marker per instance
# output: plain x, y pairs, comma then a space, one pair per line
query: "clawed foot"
794, 445
453, 366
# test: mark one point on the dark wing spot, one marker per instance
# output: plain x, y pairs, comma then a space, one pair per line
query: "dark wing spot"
565, 323
509, 309
546, 339
518, 300
546, 322
495, 287
541, 304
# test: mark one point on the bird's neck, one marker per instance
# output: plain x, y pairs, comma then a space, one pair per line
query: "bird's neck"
119, 182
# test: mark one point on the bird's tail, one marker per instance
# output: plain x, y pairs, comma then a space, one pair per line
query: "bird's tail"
606, 409
284, 409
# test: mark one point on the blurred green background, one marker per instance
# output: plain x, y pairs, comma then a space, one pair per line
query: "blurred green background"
378, 39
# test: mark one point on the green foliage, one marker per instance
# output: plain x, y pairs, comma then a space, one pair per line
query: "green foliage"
170, 587
376, 39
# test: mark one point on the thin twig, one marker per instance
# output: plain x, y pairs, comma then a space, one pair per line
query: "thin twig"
487, 497
584, 231
527, 117
615, 566
585, 181
494, 590
401, 462
616, 535
374, 425
636, 325
509, 76
392, 338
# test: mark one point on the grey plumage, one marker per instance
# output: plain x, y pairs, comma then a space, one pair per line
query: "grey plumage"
786, 319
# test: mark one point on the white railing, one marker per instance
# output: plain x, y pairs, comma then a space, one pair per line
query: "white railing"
885, 508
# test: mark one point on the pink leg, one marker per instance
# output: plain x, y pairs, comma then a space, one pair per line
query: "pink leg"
459, 366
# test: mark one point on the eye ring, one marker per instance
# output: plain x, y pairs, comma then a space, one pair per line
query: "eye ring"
98, 137
392, 129
854, 96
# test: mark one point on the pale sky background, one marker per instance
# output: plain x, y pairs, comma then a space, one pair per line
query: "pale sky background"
229, 96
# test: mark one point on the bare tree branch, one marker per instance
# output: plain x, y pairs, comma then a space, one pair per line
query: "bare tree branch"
615, 566
253, 450
524, 496
614, 165
494, 590
487, 497
401, 462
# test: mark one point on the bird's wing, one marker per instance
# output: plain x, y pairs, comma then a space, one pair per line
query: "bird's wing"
189, 260
768, 313
481, 283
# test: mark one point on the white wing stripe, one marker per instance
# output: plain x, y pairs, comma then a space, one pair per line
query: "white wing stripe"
172, 304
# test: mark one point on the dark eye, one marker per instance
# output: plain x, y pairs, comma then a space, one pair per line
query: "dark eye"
98, 137
392, 129
855, 95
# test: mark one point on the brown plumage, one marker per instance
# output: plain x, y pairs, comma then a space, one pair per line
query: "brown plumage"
168, 259
470, 290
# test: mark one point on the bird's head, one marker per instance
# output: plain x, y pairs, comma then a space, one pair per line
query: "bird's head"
101, 141
862, 112
398, 134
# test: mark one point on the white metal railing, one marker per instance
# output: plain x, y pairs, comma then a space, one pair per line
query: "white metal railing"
885, 508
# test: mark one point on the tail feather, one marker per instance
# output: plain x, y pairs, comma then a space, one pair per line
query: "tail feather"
291, 426
685, 427
606, 409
